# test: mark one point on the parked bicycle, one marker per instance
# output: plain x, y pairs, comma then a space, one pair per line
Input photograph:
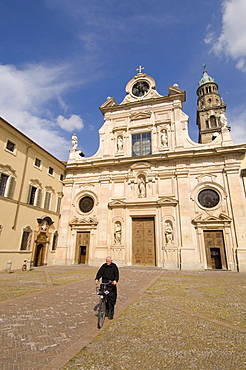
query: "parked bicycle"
102, 309
27, 265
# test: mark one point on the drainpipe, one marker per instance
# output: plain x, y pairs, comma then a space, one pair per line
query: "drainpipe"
21, 188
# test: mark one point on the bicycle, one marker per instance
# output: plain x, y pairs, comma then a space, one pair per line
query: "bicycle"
102, 309
24, 266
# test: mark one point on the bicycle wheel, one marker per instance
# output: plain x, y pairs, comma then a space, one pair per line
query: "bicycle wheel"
101, 313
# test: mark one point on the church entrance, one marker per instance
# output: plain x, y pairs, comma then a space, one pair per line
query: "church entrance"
82, 247
39, 255
143, 241
215, 249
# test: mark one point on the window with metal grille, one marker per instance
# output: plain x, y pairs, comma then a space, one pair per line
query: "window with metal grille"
141, 144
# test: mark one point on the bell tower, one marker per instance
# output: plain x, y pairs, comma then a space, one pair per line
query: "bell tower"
211, 109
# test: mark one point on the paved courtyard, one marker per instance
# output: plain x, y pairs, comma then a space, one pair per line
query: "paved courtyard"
164, 320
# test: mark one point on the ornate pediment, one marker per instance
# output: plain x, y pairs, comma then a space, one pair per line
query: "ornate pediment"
140, 115
212, 219
117, 203
6, 169
207, 177
88, 221
140, 166
175, 90
110, 102
167, 201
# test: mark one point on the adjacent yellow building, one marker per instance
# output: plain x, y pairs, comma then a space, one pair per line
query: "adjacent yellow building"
31, 183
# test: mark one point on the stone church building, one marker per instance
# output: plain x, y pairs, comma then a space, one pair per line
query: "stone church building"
151, 196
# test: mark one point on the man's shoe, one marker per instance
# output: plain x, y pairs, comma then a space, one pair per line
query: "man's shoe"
111, 317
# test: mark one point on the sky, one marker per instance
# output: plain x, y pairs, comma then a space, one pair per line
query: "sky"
61, 59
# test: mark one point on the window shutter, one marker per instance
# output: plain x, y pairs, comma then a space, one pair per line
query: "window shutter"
29, 194
47, 201
38, 197
11, 187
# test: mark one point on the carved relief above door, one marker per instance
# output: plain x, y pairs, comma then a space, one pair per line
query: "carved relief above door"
143, 241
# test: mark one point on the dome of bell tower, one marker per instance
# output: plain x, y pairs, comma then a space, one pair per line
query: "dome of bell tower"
205, 78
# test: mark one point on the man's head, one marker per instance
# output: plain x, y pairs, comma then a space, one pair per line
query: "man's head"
108, 260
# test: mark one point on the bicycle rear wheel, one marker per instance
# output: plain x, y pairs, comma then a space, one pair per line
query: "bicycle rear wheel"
101, 313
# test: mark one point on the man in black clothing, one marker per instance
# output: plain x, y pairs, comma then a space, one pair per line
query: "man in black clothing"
109, 272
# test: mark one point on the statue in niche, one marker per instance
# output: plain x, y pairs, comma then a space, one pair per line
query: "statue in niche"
223, 120
164, 141
141, 187
117, 233
119, 143
74, 141
169, 233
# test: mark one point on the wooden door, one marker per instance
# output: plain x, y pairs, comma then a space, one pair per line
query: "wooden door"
39, 255
143, 241
215, 249
82, 247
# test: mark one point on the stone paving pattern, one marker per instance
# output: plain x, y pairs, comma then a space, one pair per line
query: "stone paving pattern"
164, 320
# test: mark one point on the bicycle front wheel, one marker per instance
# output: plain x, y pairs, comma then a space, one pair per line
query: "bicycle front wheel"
101, 313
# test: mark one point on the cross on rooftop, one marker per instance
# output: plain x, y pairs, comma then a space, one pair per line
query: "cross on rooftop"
140, 69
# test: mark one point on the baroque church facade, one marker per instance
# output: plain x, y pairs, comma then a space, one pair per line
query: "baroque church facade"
151, 196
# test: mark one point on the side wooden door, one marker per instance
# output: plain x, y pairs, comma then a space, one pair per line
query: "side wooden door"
215, 249
143, 241
82, 247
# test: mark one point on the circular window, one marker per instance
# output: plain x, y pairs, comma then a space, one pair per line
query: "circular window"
140, 88
208, 198
86, 204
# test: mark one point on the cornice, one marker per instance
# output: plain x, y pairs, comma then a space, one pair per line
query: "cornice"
140, 103
167, 156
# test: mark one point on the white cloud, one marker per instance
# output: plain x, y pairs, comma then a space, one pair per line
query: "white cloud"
232, 40
27, 99
71, 124
238, 125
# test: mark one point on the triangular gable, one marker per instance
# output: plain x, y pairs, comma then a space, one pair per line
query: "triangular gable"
212, 219
140, 115
167, 201
83, 221
110, 102
117, 203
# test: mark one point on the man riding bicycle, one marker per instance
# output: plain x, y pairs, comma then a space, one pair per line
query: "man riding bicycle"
109, 273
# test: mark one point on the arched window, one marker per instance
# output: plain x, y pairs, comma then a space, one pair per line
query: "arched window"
213, 122
7, 181
26, 238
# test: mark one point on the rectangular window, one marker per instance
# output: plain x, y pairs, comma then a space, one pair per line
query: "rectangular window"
3, 183
141, 144
31, 199
10, 146
51, 171
47, 201
37, 162
61, 177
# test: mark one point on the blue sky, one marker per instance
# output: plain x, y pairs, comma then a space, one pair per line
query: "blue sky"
61, 59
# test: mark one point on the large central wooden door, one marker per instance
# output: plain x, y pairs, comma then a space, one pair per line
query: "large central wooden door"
215, 250
143, 241
82, 247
